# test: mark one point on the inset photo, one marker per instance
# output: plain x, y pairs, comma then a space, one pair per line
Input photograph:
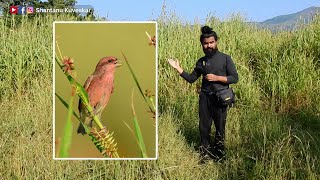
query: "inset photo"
105, 90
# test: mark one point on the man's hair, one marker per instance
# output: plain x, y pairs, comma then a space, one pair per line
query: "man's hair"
207, 32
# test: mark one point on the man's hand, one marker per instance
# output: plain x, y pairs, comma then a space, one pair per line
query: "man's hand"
213, 77
176, 65
173, 63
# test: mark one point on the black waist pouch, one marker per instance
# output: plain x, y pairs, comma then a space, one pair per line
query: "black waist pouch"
226, 97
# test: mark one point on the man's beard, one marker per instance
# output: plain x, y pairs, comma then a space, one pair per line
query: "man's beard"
209, 52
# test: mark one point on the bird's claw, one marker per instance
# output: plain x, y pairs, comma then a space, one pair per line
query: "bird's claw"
92, 114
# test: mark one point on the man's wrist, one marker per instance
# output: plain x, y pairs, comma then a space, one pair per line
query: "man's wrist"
179, 69
223, 79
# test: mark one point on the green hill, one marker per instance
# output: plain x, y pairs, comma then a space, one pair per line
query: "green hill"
290, 21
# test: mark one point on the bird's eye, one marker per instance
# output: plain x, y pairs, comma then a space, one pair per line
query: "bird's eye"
110, 60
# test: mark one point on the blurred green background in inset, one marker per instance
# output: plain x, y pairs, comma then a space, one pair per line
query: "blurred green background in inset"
87, 43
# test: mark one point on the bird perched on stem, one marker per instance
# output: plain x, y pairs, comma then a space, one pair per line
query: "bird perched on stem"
99, 87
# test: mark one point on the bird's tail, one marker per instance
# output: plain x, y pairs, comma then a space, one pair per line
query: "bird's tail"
82, 118
81, 130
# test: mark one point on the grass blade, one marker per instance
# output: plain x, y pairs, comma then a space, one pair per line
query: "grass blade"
137, 83
75, 114
67, 134
138, 131
66, 105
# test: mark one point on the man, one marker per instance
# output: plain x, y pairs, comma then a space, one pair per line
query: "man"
218, 71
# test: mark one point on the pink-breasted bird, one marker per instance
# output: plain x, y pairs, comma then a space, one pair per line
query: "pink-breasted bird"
99, 87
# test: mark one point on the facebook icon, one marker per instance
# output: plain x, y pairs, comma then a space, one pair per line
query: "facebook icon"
22, 10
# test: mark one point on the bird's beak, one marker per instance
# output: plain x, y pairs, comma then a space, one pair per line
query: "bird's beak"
118, 64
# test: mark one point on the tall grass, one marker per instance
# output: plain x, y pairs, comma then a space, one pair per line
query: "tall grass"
272, 133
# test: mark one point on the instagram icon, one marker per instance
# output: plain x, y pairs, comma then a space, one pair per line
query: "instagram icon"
29, 10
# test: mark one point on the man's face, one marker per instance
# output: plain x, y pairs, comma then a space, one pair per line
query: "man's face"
209, 45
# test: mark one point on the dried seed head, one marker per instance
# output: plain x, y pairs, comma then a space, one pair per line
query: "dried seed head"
152, 41
148, 93
68, 65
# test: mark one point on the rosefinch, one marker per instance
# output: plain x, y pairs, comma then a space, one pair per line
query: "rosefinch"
99, 87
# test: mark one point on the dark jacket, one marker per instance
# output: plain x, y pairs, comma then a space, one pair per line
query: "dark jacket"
219, 64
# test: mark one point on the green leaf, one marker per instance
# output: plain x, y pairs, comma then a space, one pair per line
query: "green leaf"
66, 105
138, 131
75, 114
67, 133
137, 82
80, 90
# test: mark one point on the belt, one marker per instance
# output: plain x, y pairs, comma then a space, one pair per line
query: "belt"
208, 92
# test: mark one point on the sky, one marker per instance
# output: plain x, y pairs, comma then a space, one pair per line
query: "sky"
142, 10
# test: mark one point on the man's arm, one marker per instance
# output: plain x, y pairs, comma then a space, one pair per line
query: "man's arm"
188, 77
232, 74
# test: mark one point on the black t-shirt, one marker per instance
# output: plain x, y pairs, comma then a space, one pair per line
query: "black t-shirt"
219, 64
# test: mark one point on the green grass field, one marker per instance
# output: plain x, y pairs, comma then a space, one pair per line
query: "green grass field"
272, 132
